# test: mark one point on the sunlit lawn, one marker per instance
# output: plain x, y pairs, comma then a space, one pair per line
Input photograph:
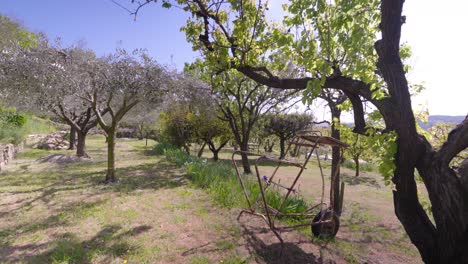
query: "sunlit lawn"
63, 213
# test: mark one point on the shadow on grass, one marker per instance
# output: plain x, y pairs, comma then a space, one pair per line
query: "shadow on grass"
152, 176
62, 218
361, 180
162, 174
275, 253
109, 243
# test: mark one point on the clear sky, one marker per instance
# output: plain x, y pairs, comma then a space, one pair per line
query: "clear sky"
435, 29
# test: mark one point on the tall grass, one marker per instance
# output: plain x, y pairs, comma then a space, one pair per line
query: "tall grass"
220, 179
36, 125
33, 125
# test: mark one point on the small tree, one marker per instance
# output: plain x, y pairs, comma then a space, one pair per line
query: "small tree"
144, 118
176, 127
286, 126
118, 83
242, 102
357, 146
211, 131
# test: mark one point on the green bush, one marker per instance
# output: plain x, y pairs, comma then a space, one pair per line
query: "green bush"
12, 124
13, 135
161, 148
220, 179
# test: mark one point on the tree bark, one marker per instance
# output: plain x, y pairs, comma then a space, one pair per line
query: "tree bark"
447, 240
245, 158
110, 175
336, 155
282, 148
268, 147
356, 163
215, 155
72, 138
200, 151
81, 145
214, 150
187, 149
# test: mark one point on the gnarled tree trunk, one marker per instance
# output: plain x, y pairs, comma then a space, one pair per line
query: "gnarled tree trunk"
336, 156
72, 138
282, 148
447, 240
356, 164
200, 151
245, 159
110, 175
81, 145
215, 150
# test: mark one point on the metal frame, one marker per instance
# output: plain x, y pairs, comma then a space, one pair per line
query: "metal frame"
311, 140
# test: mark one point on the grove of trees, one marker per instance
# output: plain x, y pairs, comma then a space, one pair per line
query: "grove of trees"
336, 46
346, 52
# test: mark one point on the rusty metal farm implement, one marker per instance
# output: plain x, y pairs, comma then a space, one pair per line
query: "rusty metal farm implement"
322, 217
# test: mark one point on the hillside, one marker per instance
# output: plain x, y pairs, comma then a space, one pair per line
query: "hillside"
435, 119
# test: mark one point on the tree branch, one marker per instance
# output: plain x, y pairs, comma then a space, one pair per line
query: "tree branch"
457, 141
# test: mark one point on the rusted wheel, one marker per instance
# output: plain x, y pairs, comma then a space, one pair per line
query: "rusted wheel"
328, 229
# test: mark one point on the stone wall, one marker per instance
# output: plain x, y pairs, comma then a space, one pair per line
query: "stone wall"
8, 153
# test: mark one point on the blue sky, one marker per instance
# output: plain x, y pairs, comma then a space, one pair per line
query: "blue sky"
104, 26
436, 31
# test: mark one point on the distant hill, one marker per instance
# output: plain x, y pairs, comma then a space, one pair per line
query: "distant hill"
435, 119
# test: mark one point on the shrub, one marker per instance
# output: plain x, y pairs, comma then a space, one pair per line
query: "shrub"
12, 124
161, 148
220, 180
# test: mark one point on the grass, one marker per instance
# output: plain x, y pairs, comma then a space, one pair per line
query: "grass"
363, 166
62, 214
222, 183
33, 125
161, 213
362, 220
36, 125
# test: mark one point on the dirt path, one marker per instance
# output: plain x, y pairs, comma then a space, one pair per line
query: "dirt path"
60, 213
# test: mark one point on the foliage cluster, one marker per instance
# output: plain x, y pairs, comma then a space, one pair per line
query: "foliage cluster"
12, 125
183, 124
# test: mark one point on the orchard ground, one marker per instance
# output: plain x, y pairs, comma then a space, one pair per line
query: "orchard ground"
62, 213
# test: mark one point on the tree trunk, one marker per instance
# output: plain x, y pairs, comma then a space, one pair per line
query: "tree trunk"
356, 163
110, 176
446, 241
215, 155
282, 148
200, 151
336, 155
72, 138
269, 146
81, 145
245, 158
187, 149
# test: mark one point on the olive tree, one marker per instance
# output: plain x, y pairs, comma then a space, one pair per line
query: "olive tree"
211, 130
242, 102
118, 83
51, 79
286, 126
